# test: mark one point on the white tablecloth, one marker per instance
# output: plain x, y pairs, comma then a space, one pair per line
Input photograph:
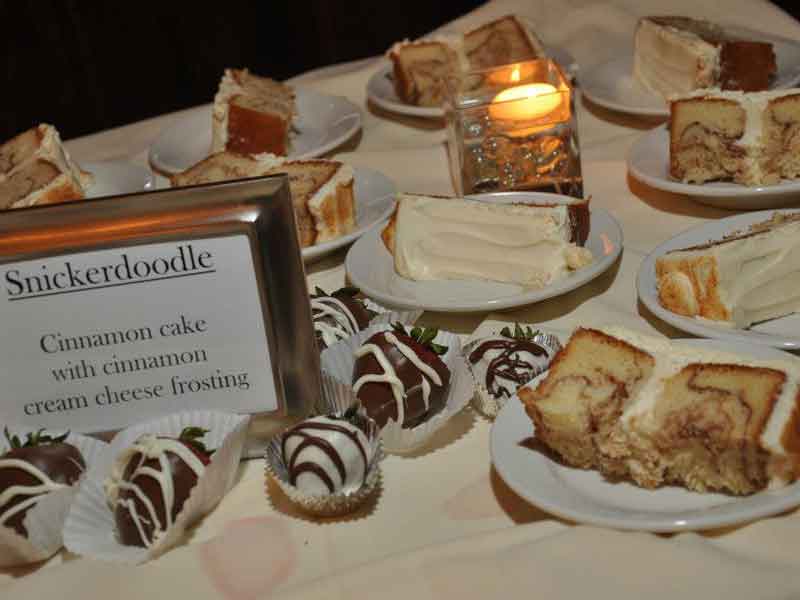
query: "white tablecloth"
444, 523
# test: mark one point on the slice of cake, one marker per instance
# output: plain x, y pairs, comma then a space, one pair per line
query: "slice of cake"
435, 237
501, 42
35, 168
660, 412
675, 55
322, 190
251, 114
745, 278
421, 67
751, 138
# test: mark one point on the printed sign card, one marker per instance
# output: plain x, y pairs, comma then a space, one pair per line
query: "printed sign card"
113, 333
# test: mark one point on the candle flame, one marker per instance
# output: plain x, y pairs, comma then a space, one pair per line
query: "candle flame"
515, 74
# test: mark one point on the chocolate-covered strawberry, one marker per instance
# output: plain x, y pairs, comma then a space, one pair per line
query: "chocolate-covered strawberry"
400, 376
338, 316
33, 468
505, 362
150, 482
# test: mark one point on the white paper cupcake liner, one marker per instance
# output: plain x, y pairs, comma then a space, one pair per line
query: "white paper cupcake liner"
90, 529
339, 360
484, 402
336, 396
45, 520
388, 315
327, 505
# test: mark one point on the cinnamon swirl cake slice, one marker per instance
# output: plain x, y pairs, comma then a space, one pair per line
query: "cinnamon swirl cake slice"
750, 138
660, 412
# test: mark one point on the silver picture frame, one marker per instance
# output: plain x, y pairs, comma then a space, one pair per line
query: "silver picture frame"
259, 207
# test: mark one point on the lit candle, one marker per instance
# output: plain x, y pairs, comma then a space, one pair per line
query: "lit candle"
525, 103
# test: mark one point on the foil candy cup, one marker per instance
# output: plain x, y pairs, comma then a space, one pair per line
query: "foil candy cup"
483, 401
335, 401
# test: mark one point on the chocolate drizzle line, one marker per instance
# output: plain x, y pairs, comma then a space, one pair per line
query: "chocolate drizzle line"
295, 470
504, 365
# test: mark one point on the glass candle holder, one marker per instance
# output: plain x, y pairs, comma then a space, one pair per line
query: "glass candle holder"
513, 128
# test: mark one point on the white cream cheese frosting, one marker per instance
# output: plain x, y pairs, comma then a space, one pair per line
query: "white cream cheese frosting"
667, 60
454, 238
757, 276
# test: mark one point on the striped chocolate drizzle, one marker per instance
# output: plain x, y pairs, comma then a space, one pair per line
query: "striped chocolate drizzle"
504, 365
309, 439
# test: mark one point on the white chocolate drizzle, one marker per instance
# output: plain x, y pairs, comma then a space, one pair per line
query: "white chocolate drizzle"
36, 492
389, 375
149, 446
344, 322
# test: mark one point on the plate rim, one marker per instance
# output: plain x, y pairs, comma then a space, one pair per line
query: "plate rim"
397, 107
601, 267
690, 325
586, 88
315, 252
654, 524
626, 57
354, 114
698, 190
93, 166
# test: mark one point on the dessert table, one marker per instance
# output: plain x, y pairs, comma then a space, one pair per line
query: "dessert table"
444, 524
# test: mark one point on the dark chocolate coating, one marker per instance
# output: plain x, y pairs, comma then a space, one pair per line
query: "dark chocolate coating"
61, 462
377, 397
354, 305
505, 365
184, 479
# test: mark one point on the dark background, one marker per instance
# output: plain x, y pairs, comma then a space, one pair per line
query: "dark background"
86, 66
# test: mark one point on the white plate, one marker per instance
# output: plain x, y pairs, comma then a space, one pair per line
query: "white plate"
781, 333
380, 88
374, 196
380, 91
611, 84
587, 497
322, 123
114, 178
370, 268
648, 161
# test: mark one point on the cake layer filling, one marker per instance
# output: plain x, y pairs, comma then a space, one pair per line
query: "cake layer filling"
453, 238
